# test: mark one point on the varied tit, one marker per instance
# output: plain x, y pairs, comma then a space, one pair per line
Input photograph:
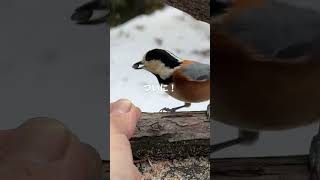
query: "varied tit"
85, 14
186, 80
267, 69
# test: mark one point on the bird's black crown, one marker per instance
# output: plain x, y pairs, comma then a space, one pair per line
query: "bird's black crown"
164, 56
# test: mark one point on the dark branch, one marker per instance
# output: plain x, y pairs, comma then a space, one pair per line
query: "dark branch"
272, 168
199, 9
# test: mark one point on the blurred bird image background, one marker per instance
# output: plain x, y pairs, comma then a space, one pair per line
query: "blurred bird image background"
51, 66
139, 26
272, 143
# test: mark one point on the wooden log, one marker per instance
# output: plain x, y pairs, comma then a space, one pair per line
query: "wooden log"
199, 9
171, 135
269, 168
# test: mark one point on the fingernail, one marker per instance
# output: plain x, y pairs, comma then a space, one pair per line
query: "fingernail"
123, 106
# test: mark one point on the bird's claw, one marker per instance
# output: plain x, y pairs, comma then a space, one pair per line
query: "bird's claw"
165, 109
314, 158
208, 112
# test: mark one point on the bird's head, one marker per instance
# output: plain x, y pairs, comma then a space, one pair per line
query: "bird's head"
159, 62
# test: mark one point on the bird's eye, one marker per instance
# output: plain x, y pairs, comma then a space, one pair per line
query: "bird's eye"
218, 7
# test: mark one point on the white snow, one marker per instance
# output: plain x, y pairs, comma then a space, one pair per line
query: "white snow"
169, 29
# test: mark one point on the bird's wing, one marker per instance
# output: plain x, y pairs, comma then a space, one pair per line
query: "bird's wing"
278, 29
196, 71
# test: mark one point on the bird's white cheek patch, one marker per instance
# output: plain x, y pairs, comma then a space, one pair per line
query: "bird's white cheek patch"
157, 67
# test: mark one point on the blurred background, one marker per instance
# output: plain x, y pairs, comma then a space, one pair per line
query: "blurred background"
271, 143
124, 10
50, 66
139, 26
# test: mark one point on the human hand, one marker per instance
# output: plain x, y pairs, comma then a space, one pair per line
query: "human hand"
123, 119
42, 148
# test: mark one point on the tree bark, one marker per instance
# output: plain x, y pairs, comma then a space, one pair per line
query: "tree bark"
199, 9
171, 135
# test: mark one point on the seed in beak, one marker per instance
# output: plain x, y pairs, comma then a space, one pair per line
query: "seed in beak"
137, 65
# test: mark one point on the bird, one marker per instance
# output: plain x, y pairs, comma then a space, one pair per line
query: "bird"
186, 80
267, 70
85, 14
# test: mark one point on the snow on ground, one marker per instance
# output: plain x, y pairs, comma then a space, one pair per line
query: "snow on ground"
168, 29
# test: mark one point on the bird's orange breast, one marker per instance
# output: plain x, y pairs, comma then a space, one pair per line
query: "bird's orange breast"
254, 94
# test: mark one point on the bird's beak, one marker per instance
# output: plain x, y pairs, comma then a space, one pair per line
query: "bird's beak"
137, 65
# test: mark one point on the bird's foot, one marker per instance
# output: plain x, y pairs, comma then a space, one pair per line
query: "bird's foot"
208, 112
165, 109
314, 158
175, 109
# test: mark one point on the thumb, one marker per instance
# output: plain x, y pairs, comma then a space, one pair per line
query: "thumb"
123, 117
